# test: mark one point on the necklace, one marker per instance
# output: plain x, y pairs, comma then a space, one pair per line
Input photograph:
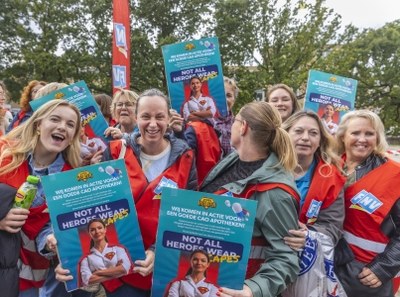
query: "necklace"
41, 165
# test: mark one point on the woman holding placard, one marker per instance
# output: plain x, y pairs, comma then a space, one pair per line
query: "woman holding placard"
48, 142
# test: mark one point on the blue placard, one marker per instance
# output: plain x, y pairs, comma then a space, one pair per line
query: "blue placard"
77, 196
222, 226
80, 95
330, 89
199, 58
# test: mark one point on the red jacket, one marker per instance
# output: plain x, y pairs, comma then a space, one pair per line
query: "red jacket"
208, 148
367, 203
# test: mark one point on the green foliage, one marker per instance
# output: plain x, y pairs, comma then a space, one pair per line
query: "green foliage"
284, 41
263, 42
373, 58
53, 40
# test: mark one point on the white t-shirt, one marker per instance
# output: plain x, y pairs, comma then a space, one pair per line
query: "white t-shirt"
154, 165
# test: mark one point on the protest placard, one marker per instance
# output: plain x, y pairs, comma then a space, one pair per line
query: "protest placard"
77, 199
195, 60
194, 225
79, 94
331, 96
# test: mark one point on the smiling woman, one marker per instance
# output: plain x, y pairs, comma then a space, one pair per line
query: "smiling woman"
105, 261
372, 208
283, 99
48, 142
152, 157
123, 111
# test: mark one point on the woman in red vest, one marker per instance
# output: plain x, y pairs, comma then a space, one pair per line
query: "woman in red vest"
154, 158
321, 203
368, 256
261, 169
47, 143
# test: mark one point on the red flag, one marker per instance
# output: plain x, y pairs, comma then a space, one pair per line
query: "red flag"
121, 45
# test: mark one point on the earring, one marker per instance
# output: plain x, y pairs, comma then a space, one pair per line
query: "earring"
38, 132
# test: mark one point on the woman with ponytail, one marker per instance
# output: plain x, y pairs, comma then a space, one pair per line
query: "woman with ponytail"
261, 169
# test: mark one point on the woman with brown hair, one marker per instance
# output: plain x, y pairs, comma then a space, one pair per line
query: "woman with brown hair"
195, 282
283, 98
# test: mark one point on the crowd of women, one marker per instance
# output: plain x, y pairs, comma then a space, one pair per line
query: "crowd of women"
313, 189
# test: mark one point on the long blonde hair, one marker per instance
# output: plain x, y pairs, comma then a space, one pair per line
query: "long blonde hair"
265, 123
23, 139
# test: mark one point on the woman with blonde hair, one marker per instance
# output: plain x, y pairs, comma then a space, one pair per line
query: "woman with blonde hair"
28, 94
370, 248
50, 87
261, 169
47, 143
321, 214
123, 108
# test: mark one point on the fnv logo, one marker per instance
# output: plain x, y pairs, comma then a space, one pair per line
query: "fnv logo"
366, 202
119, 76
308, 255
313, 211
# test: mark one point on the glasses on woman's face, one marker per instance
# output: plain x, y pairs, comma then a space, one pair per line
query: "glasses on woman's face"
127, 104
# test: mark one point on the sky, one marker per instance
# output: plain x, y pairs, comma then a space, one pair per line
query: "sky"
366, 13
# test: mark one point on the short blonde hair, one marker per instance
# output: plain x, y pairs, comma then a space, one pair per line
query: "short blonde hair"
232, 82
377, 125
131, 95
